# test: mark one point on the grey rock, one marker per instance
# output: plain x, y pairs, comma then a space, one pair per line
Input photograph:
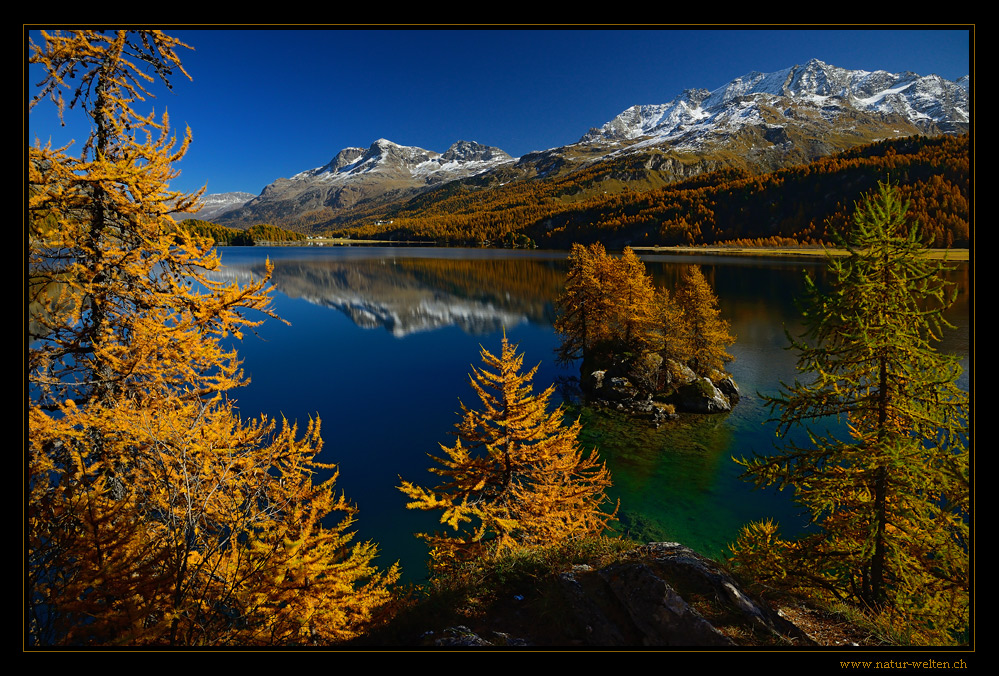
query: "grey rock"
658, 612
462, 636
644, 600
727, 386
701, 396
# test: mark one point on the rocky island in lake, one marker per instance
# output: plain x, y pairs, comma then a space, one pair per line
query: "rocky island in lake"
644, 350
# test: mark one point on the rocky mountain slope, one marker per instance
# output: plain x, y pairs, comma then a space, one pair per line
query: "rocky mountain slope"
760, 122
216, 204
383, 173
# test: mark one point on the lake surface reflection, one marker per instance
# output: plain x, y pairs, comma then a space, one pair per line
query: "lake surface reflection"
381, 341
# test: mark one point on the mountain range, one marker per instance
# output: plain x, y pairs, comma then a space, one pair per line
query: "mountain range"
759, 122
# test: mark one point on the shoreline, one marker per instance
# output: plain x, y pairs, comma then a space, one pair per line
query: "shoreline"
804, 252
949, 254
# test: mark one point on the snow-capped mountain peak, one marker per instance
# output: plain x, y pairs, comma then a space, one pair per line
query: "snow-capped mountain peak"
217, 204
462, 158
761, 120
923, 100
383, 168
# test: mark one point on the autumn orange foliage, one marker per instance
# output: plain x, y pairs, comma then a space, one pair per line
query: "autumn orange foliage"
515, 476
705, 334
155, 515
610, 314
794, 206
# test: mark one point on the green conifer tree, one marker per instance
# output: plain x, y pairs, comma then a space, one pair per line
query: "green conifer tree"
892, 494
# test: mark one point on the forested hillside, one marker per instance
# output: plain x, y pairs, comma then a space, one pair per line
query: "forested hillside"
223, 236
801, 204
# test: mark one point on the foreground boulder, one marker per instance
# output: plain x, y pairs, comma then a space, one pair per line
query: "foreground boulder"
658, 595
665, 594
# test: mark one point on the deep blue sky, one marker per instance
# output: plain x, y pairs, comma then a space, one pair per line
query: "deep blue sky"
265, 104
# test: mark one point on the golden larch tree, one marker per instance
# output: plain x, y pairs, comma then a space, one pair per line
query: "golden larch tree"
633, 299
583, 306
156, 516
607, 311
706, 336
611, 315
516, 476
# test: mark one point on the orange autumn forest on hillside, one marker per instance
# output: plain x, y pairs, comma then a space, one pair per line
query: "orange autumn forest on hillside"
797, 205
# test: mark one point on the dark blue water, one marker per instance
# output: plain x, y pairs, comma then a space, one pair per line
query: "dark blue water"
380, 347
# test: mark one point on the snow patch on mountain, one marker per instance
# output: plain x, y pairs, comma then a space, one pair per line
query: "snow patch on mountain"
462, 159
927, 99
216, 204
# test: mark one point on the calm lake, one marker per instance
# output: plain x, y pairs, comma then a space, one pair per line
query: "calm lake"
380, 345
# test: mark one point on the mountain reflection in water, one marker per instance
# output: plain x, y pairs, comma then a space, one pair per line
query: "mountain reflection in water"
410, 295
